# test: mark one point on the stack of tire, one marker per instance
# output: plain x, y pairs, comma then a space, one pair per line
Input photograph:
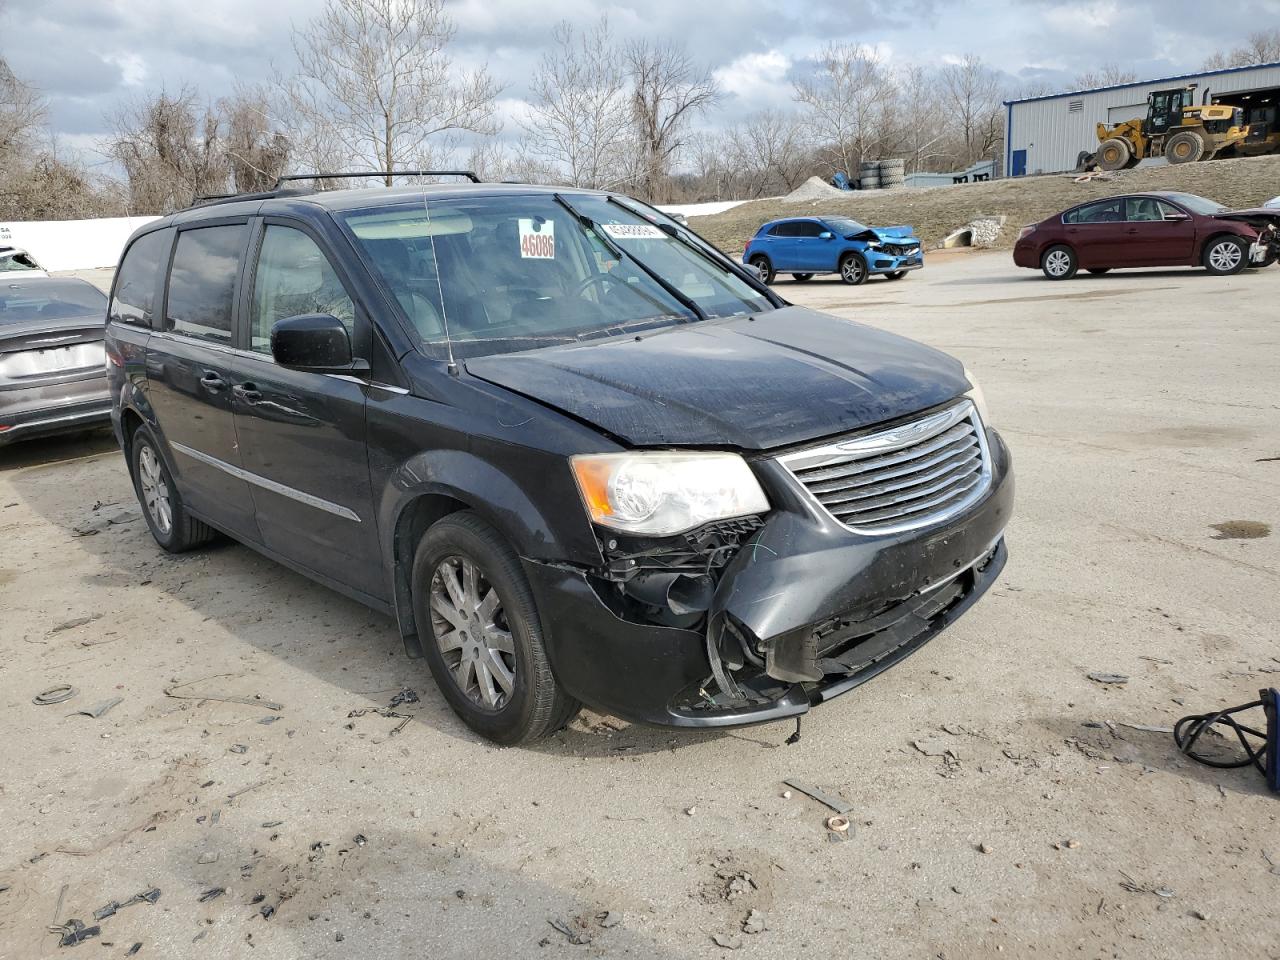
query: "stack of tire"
893, 173
869, 175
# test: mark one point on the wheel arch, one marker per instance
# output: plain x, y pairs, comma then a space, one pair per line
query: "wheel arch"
1218, 234
463, 481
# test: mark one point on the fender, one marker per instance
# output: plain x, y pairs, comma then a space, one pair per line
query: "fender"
434, 483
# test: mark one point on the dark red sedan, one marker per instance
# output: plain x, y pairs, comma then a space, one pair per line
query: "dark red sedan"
1149, 230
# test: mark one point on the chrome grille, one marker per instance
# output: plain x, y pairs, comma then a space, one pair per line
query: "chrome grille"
909, 476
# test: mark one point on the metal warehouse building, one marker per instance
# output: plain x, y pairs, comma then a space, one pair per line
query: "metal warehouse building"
1046, 134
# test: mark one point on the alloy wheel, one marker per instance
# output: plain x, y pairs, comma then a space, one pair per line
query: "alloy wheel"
1225, 256
472, 632
1057, 263
155, 489
851, 270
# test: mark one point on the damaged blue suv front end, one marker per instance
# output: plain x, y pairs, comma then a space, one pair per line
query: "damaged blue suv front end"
808, 246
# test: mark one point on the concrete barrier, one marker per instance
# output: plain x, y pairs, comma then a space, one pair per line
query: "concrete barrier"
72, 244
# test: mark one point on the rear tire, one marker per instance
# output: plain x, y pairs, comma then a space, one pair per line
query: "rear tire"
1114, 153
1059, 262
501, 633
763, 268
1099, 271
158, 495
801, 277
1184, 147
853, 269
1224, 256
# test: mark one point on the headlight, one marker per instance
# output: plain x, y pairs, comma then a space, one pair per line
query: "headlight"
975, 394
661, 494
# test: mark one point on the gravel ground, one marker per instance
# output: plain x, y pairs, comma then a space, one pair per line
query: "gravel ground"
1000, 801
936, 211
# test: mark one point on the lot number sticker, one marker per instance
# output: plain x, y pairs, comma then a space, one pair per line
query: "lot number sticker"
633, 231
537, 240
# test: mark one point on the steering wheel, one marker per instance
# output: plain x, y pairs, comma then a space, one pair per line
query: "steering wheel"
587, 283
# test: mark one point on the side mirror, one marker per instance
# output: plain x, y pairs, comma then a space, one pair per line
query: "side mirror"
826, 235
1176, 217
312, 341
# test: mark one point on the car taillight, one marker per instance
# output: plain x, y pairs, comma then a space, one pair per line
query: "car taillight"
1026, 232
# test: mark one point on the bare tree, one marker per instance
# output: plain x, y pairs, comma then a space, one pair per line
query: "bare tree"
971, 93
22, 114
668, 89
255, 145
580, 121
376, 75
846, 101
769, 151
170, 149
921, 120
1263, 46
1107, 75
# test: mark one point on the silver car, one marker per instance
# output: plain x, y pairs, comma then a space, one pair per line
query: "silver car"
52, 360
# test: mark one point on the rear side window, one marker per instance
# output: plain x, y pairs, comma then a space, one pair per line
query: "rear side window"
785, 230
133, 300
294, 278
202, 281
1104, 211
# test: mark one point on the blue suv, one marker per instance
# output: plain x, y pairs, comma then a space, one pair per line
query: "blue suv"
803, 246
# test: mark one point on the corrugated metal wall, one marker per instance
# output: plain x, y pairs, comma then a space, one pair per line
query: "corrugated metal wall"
1054, 130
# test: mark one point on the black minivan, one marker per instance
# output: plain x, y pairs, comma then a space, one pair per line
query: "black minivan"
578, 454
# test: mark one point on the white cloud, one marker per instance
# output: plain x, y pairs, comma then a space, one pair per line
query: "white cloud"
758, 78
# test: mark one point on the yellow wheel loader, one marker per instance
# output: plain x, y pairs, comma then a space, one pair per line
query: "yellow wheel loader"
1175, 127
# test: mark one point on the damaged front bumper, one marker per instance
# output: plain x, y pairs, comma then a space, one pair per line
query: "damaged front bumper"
804, 611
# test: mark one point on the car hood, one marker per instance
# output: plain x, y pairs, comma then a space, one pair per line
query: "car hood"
886, 233
1257, 217
751, 383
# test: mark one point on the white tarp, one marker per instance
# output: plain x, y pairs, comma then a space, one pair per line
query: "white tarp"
72, 244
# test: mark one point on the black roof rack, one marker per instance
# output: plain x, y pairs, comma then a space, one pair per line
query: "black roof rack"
283, 185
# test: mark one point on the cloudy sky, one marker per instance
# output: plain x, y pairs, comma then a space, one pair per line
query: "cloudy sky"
89, 56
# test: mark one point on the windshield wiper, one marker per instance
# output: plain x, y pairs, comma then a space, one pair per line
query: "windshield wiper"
623, 254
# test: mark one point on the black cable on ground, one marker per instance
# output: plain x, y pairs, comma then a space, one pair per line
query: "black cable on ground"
1188, 731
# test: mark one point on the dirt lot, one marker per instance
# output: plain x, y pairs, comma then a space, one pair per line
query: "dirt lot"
936, 211
1000, 800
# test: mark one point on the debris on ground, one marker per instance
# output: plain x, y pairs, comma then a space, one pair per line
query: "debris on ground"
610, 918
386, 712
1108, 677
835, 803
985, 847
98, 709
1133, 886
213, 893
404, 696
254, 701
73, 932
59, 694
1146, 727
727, 940
756, 922
576, 936
72, 624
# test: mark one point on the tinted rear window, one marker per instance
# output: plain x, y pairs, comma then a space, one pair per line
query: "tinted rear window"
51, 300
135, 292
202, 281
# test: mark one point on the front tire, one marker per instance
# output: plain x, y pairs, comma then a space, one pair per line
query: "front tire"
1059, 262
481, 633
763, 268
1114, 153
1224, 256
895, 275
853, 269
158, 495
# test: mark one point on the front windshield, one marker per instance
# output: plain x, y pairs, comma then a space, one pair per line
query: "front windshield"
498, 274
844, 226
1206, 208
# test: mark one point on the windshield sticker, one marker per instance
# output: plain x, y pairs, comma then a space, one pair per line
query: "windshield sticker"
537, 239
633, 231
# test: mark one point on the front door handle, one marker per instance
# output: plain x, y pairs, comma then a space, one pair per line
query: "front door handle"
212, 382
248, 392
